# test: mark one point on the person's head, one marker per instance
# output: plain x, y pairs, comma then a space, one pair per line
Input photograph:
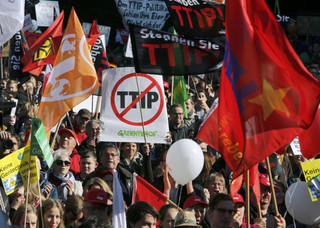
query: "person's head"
12, 87
93, 128
82, 118
239, 206
88, 162
167, 214
10, 145
107, 176
265, 189
185, 219
109, 156
96, 202
3, 84
96, 222
61, 164
202, 96
52, 214
141, 215
216, 184
73, 210
32, 217
129, 150
68, 139
189, 105
96, 183
197, 206
221, 210
176, 114
166, 87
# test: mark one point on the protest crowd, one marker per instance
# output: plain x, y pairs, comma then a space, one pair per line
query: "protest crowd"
93, 182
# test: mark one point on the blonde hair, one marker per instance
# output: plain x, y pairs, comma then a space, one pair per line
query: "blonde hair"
51, 203
20, 213
218, 176
96, 181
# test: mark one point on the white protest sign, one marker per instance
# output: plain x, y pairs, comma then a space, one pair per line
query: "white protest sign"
120, 109
129, 53
45, 12
102, 28
146, 13
11, 19
295, 146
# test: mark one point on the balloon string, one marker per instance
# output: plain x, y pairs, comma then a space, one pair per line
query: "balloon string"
180, 191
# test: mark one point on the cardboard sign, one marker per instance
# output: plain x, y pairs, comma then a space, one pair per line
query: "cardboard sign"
46, 12
157, 52
311, 170
295, 146
14, 170
150, 14
120, 109
39, 142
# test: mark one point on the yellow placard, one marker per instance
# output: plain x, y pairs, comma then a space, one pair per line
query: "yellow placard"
14, 170
310, 170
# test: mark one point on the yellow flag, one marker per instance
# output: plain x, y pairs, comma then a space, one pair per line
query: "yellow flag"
73, 77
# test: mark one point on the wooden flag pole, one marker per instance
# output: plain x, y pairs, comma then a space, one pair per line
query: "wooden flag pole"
259, 210
98, 103
28, 186
172, 85
248, 198
142, 121
40, 201
272, 188
55, 135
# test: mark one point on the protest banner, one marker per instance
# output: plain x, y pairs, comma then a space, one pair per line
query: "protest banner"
45, 12
311, 170
11, 19
120, 109
149, 14
15, 54
157, 52
14, 170
199, 18
295, 146
39, 142
104, 30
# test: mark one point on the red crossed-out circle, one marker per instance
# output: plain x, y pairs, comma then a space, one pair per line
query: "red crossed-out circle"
154, 83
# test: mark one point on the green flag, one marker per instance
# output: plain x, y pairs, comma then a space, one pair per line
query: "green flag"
39, 142
180, 94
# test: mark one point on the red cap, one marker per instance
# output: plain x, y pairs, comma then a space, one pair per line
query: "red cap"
96, 195
165, 84
264, 179
238, 199
194, 200
68, 131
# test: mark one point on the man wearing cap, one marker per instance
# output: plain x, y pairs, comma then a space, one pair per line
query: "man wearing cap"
81, 120
265, 199
68, 141
196, 205
96, 202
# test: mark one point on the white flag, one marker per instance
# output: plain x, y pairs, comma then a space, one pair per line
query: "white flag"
119, 213
11, 18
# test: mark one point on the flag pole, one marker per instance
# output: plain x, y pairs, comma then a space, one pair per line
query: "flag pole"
172, 85
248, 198
27, 196
55, 135
142, 121
40, 202
195, 87
272, 188
98, 103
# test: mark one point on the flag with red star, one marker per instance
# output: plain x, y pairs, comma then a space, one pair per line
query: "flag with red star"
267, 96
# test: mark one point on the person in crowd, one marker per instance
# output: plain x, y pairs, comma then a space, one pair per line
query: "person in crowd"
167, 215
96, 222
198, 207
96, 182
80, 123
88, 163
8, 143
107, 176
186, 219
221, 210
73, 211
176, 124
97, 202
192, 115
93, 130
109, 158
142, 214
31, 218
272, 220
62, 178
12, 89
68, 142
216, 184
201, 106
52, 212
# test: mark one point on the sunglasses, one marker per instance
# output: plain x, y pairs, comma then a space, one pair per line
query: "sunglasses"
61, 162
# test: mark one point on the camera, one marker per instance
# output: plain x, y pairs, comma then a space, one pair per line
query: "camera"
7, 144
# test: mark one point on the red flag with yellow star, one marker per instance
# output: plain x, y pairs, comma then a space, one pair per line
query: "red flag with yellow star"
266, 97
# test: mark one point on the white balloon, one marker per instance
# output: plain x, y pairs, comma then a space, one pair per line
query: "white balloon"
300, 205
185, 160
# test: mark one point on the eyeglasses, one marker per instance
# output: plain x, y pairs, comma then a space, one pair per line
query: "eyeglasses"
112, 155
61, 162
224, 211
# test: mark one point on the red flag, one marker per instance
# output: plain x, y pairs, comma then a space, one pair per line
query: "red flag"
73, 78
144, 191
44, 50
308, 139
267, 96
94, 34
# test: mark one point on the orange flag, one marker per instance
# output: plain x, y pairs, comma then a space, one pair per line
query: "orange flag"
73, 77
